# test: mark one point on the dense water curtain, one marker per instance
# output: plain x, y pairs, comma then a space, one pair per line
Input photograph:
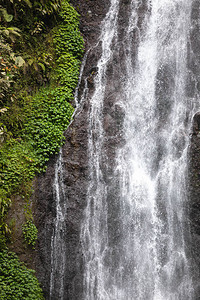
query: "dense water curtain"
134, 236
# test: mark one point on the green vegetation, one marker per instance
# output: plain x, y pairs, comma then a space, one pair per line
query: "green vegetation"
16, 281
40, 52
32, 122
30, 233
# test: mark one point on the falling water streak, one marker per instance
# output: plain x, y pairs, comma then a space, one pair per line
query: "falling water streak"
151, 167
94, 232
58, 236
84, 95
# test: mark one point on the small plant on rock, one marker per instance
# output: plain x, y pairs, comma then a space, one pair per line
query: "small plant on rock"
30, 233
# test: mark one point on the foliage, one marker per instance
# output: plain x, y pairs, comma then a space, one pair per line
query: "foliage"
22, 24
16, 281
2, 242
49, 115
47, 7
30, 233
32, 125
38, 65
4, 14
18, 164
9, 66
5, 203
39, 68
44, 7
67, 37
67, 71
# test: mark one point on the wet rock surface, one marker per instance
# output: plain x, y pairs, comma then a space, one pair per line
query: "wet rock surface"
194, 203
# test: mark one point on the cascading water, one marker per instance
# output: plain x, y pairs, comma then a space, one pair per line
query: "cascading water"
148, 259
59, 235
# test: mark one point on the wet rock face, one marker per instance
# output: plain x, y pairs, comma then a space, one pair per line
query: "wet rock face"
92, 13
194, 204
44, 215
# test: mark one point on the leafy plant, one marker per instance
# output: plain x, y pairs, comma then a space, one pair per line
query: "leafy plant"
30, 233
10, 65
4, 14
37, 82
47, 7
38, 65
49, 113
2, 242
36, 123
16, 281
18, 165
10, 32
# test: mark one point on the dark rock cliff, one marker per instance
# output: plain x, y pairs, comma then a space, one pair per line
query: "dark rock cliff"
194, 203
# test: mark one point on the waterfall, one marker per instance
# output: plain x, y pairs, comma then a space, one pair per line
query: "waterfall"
135, 243
59, 234
94, 231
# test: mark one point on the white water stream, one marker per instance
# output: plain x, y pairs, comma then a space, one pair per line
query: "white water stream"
151, 166
59, 235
